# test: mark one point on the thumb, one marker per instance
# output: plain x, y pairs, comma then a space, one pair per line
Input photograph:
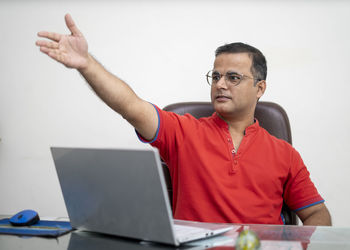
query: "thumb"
71, 25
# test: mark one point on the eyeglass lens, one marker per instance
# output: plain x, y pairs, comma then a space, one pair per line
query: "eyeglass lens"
231, 77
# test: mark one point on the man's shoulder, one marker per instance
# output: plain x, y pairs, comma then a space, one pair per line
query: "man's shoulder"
273, 140
275, 148
188, 117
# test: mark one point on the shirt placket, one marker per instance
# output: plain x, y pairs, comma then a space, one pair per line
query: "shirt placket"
234, 157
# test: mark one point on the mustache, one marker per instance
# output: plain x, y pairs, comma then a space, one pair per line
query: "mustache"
220, 94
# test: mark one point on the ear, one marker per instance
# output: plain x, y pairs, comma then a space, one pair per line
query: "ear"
261, 86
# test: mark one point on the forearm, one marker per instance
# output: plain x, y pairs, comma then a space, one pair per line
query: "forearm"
112, 90
121, 98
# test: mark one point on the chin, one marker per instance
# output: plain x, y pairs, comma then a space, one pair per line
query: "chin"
222, 108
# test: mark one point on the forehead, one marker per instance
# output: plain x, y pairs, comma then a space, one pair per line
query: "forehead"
238, 62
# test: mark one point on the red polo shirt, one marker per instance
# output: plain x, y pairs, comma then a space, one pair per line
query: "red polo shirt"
212, 183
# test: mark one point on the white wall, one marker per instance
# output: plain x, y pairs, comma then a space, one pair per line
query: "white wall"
163, 49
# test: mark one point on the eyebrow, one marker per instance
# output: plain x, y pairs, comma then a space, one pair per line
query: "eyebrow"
228, 72
233, 72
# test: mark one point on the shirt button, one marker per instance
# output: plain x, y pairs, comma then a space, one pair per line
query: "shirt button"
235, 162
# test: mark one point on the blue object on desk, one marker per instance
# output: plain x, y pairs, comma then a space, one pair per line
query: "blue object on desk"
25, 218
41, 228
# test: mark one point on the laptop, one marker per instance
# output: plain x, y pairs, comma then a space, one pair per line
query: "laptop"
123, 192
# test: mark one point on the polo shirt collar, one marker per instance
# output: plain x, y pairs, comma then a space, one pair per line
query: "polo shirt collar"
249, 130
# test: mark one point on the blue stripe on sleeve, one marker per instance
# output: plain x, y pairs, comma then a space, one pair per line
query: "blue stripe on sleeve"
318, 202
156, 136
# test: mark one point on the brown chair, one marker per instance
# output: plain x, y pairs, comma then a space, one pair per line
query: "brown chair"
271, 116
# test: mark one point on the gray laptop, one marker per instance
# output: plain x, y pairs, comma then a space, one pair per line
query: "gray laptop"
123, 192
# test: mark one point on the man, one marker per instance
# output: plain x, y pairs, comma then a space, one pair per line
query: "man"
224, 168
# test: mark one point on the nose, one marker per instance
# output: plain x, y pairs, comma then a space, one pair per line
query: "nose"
222, 83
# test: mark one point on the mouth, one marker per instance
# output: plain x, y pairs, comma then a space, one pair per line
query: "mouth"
222, 98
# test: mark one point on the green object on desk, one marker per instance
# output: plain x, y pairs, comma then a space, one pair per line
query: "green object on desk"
41, 228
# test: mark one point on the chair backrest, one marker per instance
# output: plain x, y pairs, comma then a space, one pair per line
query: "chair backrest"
271, 116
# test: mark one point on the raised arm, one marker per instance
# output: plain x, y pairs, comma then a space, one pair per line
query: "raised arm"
72, 51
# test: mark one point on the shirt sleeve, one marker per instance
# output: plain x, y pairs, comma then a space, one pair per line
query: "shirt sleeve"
170, 133
300, 192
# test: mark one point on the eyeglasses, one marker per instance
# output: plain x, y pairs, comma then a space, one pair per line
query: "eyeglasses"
233, 78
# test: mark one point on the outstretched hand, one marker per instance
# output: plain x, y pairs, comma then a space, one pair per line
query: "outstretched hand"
70, 50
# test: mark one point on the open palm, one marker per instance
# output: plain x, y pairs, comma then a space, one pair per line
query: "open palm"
70, 50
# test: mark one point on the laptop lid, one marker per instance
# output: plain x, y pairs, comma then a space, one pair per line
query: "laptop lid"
115, 191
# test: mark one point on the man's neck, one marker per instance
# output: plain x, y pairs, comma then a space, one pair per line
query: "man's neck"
237, 126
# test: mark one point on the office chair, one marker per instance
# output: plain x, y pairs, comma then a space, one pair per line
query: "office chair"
270, 115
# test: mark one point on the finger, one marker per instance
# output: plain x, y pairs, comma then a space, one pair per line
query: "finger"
48, 44
44, 50
48, 51
50, 35
71, 25
56, 56
53, 53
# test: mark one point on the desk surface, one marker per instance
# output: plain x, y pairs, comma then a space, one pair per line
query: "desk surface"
271, 236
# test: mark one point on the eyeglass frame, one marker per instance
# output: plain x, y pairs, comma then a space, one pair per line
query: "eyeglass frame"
232, 72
